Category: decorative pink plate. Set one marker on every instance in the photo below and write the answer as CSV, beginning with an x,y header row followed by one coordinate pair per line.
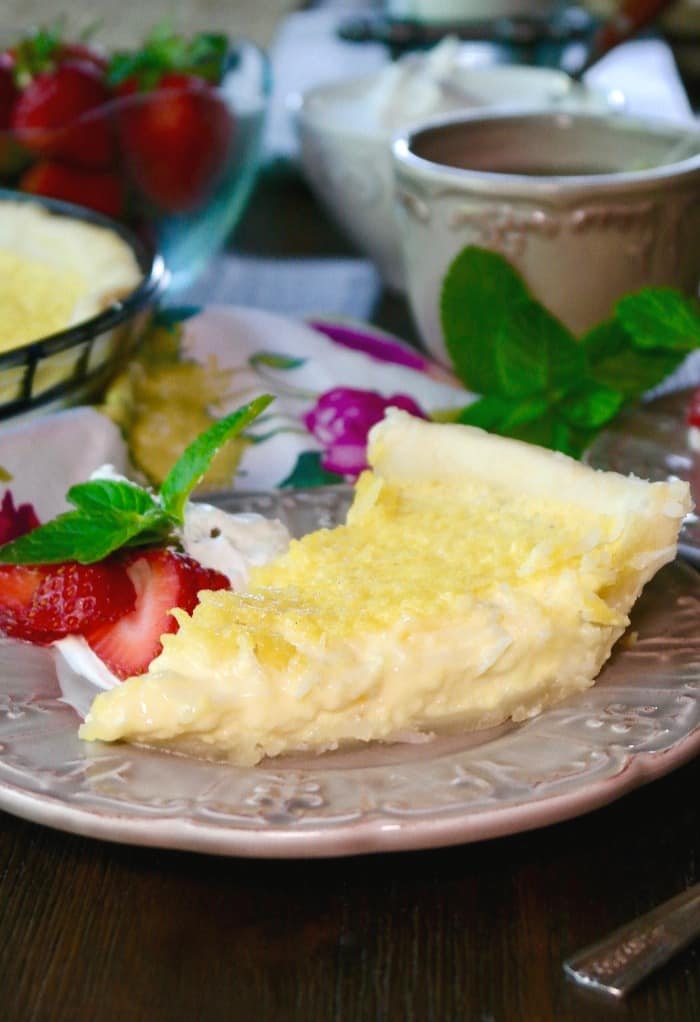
x,y
651,441
639,722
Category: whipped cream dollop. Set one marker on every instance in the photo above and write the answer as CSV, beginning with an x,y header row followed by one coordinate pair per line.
x,y
231,543
419,86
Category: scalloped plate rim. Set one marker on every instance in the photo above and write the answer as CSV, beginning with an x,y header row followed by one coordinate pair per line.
x,y
358,838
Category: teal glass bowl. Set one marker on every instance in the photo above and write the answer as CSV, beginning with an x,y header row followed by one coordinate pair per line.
x,y
184,197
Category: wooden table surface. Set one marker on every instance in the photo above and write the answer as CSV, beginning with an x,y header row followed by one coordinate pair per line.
x,y
100,932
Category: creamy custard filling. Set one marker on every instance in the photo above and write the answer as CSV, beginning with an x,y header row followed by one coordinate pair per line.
x,y
36,299
450,598
56,271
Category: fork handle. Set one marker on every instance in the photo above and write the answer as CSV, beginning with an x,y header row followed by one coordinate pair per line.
x,y
616,964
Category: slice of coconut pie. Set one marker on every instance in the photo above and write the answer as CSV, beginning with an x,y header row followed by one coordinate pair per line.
x,y
477,578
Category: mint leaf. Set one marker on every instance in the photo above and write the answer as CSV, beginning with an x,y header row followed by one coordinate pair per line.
x,y
615,362
538,355
500,415
99,495
486,413
591,406
660,318
551,430
74,536
192,465
500,339
478,294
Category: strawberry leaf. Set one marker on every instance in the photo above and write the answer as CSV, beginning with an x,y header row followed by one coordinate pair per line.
x,y
163,52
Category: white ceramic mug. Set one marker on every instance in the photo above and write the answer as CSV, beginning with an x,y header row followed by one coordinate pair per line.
x,y
587,207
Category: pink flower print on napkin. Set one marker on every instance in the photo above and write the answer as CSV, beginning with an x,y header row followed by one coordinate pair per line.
x,y
15,521
341,419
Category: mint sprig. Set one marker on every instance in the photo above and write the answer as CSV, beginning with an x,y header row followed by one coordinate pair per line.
x,y
111,514
190,469
537,381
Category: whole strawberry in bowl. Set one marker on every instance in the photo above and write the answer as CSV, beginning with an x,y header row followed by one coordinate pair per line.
x,y
165,137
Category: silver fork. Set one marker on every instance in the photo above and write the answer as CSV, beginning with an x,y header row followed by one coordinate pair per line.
x,y
615,965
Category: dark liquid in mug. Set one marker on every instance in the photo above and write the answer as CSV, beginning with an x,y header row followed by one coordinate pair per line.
x,y
580,170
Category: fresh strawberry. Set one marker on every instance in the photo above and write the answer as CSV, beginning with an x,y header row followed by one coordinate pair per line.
x,y
42,603
100,190
175,140
163,580
73,597
9,93
58,115
83,52
15,521
18,584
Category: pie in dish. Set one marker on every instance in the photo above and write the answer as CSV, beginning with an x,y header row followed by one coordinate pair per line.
x,y
476,579
56,271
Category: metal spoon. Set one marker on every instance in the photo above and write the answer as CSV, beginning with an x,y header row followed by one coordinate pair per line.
x,y
616,964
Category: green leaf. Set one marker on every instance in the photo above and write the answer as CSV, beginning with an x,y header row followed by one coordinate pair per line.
x,y
500,415
500,339
541,431
615,362
486,413
538,355
478,293
164,51
660,318
550,430
5,476
192,465
591,406
276,361
75,536
100,495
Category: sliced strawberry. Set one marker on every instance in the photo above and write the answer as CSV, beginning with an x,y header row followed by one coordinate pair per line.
x,y
163,580
97,189
74,597
18,584
42,603
58,115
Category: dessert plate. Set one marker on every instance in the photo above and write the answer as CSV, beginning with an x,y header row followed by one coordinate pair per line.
x,y
651,440
639,722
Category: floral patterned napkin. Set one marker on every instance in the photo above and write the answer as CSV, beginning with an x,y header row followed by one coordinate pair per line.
x,y
332,381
